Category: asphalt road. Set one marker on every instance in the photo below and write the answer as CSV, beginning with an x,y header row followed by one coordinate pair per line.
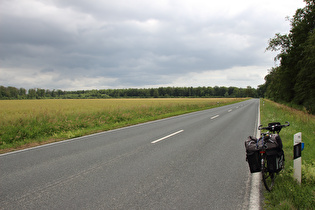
x,y
192,161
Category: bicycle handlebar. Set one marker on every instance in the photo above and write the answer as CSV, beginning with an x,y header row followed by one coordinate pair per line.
x,y
276,126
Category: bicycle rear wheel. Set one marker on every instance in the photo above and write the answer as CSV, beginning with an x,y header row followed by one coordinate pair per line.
x,y
268,177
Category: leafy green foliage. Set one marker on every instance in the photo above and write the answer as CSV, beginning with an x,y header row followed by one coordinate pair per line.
x,y
294,79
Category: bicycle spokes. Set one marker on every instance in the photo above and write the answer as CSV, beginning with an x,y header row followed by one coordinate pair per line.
x,y
268,179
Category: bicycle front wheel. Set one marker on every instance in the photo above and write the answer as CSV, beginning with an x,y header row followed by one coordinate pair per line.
x,y
268,177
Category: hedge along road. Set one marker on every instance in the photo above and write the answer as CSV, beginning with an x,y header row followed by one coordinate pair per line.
x,y
192,161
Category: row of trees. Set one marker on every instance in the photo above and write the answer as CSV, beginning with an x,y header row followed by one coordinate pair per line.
x,y
161,92
293,81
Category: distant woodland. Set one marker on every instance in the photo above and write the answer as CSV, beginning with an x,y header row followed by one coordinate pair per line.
x,y
161,92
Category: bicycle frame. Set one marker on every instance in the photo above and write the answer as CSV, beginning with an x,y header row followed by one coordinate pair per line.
x,y
268,177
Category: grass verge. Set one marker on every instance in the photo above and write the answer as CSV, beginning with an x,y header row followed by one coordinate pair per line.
x,y
27,123
287,193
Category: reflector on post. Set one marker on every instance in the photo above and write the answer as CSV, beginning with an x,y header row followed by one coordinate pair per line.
x,y
297,162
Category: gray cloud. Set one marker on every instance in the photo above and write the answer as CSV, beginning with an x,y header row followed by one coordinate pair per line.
x,y
102,44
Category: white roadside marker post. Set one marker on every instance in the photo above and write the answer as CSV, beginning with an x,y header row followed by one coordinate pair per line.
x,y
297,162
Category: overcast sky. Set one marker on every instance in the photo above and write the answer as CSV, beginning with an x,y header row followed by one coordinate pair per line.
x,y
100,44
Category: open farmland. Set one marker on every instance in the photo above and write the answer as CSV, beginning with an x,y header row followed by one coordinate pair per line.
x,y
25,123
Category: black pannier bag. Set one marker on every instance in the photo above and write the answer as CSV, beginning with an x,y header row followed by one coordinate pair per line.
x,y
275,160
252,154
275,154
273,141
276,138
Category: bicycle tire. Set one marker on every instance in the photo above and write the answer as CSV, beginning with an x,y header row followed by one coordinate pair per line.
x,y
267,177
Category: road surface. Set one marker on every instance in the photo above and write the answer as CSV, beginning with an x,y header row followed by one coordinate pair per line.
x,y
192,161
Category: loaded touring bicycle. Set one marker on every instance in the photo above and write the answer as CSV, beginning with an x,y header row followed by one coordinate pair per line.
x,y
265,154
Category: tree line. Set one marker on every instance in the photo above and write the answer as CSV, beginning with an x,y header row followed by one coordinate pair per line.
x,y
293,81
161,92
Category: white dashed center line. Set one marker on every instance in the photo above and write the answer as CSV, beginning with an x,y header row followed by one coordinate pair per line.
x,y
214,117
165,137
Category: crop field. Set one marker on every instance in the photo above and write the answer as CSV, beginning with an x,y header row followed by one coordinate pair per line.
x,y
25,123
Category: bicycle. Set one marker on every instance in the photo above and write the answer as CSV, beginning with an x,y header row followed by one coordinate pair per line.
x,y
271,153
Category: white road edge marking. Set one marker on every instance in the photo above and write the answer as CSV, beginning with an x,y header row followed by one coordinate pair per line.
x,y
214,117
254,200
165,137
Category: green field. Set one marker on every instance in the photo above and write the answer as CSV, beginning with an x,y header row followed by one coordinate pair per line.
x,y
287,194
25,123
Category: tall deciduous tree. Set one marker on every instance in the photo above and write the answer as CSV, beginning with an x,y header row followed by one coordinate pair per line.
x,y
293,80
